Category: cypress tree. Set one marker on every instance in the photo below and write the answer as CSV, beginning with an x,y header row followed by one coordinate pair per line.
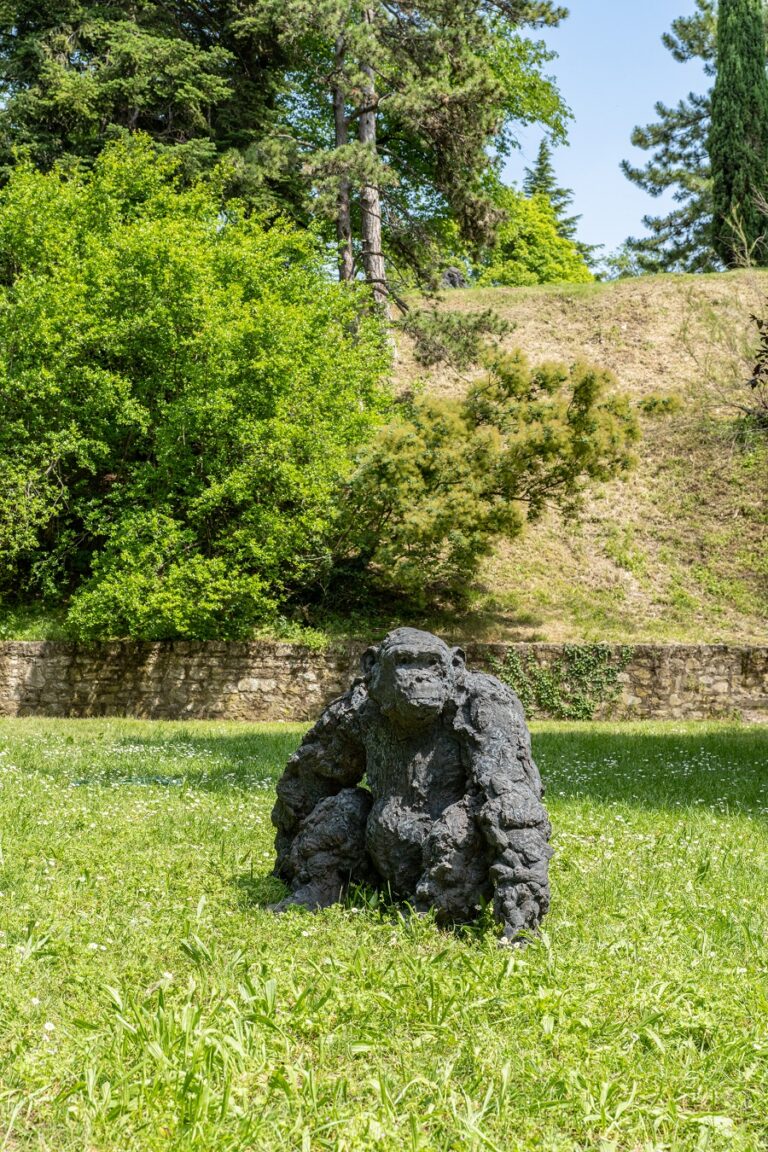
x,y
738,137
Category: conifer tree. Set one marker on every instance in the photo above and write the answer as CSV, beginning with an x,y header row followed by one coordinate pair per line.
x,y
399,106
76,73
679,241
738,137
540,180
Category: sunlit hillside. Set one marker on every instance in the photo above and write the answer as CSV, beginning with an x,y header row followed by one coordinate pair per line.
x,y
678,551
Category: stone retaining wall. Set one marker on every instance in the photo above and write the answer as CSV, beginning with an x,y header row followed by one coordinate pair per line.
x,y
270,681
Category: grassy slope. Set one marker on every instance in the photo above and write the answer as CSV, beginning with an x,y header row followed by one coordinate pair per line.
x,y
150,1002
680,550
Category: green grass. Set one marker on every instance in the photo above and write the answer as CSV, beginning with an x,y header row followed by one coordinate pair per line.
x,y
32,622
149,1000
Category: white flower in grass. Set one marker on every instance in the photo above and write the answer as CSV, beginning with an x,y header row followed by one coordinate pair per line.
x,y
49,1026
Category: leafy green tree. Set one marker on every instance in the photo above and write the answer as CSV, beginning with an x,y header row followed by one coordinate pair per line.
x,y
738,136
529,247
438,487
182,395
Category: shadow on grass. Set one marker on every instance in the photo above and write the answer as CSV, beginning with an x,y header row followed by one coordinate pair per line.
x,y
208,761
660,767
258,891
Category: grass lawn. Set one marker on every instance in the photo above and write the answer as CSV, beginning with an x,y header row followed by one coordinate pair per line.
x,y
149,1000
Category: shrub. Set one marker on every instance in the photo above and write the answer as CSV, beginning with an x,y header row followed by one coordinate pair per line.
x,y
657,405
182,392
440,485
529,249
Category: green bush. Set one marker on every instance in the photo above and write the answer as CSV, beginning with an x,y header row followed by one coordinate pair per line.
x,y
436,488
182,393
529,248
657,405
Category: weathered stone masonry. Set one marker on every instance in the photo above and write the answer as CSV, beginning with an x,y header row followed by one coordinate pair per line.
x,y
270,681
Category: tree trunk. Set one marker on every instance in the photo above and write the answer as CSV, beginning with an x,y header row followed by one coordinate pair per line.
x,y
343,216
370,199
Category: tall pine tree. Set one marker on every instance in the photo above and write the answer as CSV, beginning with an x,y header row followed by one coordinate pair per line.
x,y
396,112
540,180
681,240
738,137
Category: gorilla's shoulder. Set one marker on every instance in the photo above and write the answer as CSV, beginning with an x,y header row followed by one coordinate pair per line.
x,y
489,703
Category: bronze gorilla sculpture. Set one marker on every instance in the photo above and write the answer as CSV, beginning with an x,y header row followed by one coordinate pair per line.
x,y
451,816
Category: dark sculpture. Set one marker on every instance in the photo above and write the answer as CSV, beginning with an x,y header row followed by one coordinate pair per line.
x,y
451,816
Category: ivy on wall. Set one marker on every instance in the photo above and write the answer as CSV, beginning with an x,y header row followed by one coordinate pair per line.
x,y
571,687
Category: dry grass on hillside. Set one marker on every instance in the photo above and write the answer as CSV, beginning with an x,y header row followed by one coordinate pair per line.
x,y
679,551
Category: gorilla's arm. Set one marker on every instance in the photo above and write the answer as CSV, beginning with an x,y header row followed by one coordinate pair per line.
x,y
330,757
509,811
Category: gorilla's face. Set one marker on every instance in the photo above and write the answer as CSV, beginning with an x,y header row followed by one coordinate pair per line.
x,y
413,678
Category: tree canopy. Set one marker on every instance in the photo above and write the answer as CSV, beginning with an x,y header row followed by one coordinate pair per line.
x,y
363,117
74,74
183,392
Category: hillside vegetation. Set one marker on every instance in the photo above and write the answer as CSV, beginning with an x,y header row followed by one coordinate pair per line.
x,y
679,550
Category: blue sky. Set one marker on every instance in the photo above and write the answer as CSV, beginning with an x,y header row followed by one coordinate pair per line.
x,y
611,69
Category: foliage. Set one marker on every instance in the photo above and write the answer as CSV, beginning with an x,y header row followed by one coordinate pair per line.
x,y
658,405
437,487
74,75
397,112
529,247
738,135
541,181
680,241
570,687
155,1002
452,338
262,83
182,392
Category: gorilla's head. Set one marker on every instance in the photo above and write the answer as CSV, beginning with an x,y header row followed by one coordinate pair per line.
x,y
411,675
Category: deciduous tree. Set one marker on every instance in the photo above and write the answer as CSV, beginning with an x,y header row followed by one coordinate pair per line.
x,y
183,392
529,247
